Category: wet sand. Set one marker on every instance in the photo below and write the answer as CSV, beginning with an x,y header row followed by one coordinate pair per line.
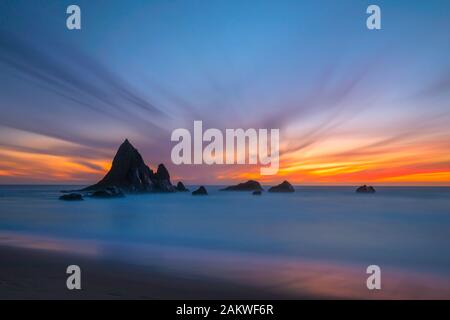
x,y
34,267
36,274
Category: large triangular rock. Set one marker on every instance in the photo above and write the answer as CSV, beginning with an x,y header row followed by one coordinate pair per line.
x,y
129,173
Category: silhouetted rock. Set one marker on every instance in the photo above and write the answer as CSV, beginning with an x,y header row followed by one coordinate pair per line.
x,y
365,189
107,193
100,194
250,185
162,173
256,193
180,187
129,173
68,191
200,192
282,187
161,180
71,197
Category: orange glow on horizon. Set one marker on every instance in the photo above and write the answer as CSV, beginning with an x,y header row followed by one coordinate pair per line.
x,y
47,167
412,163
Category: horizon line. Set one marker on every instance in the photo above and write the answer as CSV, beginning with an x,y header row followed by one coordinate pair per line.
x,y
221,185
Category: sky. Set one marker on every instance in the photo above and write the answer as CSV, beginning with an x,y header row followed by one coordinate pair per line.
x,y
353,105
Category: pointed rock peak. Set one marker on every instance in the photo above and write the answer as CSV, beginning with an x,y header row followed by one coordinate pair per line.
x,y
200,191
162,172
128,171
126,145
127,153
181,187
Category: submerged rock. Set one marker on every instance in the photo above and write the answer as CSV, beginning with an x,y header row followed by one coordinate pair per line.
x,y
256,193
200,191
129,173
285,186
365,189
250,185
71,197
107,193
180,187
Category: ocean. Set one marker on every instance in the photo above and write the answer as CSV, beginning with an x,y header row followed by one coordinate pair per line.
x,y
403,229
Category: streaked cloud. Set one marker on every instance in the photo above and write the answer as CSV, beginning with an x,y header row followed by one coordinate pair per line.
x,y
353,107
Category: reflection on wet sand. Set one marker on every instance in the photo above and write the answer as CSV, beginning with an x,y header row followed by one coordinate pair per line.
x,y
298,278
24,241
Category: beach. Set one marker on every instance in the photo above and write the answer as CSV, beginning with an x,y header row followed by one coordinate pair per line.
x,y
35,268
31,274
314,243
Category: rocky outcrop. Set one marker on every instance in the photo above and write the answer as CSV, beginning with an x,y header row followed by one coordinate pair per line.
x,y
256,193
285,186
250,185
107,193
180,187
161,180
365,189
71,197
200,191
130,174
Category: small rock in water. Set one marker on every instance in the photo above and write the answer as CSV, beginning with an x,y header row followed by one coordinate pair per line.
x,y
180,187
257,193
250,185
365,189
285,186
71,197
200,192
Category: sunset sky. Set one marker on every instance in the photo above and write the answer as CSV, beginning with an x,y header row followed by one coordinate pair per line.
x,y
353,106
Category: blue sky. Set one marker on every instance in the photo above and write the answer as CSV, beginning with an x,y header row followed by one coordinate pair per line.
x,y
140,69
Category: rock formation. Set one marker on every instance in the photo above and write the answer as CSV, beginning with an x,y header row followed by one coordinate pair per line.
x,y
180,187
107,193
250,185
256,193
161,180
200,191
130,174
285,186
71,197
365,189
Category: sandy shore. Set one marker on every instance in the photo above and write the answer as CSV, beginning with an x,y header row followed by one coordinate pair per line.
x,y
34,267
36,274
